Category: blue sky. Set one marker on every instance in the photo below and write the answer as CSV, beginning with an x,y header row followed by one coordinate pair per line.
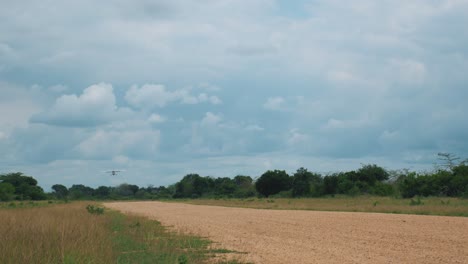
x,y
220,87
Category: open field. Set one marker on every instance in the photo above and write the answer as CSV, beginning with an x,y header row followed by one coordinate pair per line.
x,y
299,236
375,204
45,232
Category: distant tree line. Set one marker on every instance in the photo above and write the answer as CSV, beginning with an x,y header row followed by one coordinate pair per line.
x,y
451,181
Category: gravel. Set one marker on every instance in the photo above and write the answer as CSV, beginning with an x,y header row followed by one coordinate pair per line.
x,y
288,236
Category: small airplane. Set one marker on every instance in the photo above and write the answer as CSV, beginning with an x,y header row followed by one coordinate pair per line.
x,y
114,172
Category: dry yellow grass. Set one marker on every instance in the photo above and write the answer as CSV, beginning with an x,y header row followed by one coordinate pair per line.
x,y
64,233
427,206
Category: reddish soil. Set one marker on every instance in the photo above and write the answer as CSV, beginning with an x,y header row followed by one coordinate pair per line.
x,y
285,236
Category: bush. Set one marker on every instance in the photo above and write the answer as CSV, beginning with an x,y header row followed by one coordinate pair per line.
x,y
273,182
94,209
416,202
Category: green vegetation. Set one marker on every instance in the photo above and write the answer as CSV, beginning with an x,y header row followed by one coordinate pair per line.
x,y
273,182
67,233
449,180
20,187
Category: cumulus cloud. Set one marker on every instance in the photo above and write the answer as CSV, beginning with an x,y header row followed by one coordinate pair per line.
x,y
150,95
296,137
409,71
211,119
251,50
108,144
388,77
96,105
254,128
274,103
155,118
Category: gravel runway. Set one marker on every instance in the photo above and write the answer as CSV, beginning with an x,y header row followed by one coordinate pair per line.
x,y
286,236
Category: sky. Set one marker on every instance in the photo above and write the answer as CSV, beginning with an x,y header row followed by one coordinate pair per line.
x,y
164,88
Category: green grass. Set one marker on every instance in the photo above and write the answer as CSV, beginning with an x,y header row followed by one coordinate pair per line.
x,y
375,204
68,233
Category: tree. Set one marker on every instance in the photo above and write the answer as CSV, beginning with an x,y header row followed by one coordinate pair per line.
x,y
25,186
372,173
102,192
245,187
330,184
301,183
448,160
80,191
126,189
60,191
193,186
7,191
224,186
243,181
273,182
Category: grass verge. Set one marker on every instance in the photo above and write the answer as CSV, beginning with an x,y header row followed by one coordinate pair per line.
x,y
69,233
421,206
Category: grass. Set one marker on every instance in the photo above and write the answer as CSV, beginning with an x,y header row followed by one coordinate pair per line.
x,y
67,233
422,206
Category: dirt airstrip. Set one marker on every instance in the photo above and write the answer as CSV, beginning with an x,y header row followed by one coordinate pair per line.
x,y
284,236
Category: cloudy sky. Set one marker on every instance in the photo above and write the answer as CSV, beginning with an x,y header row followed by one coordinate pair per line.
x,y
163,88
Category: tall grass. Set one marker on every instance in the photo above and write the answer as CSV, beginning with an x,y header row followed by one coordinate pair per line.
x,y
72,233
63,233
425,206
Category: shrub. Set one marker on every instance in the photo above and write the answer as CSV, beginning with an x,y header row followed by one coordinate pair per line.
x,y
416,202
94,209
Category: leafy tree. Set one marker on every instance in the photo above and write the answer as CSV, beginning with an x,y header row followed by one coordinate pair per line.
x,y
193,186
7,191
80,191
102,192
273,182
330,184
245,187
126,189
25,186
224,186
372,173
301,182
243,181
408,185
160,192
59,191
459,182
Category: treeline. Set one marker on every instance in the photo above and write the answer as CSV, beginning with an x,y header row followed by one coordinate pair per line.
x,y
451,181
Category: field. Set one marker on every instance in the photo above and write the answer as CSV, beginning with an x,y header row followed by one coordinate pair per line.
x,y
420,206
46,232
297,231
302,236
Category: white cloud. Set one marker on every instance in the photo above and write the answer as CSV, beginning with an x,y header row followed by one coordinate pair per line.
x,y
337,124
102,144
274,103
211,119
121,159
150,95
96,105
58,88
215,100
206,98
342,76
295,137
254,128
209,87
409,71
155,118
